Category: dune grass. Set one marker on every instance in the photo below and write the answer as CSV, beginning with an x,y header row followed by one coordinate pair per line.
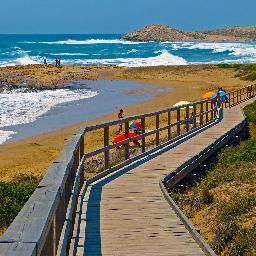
x,y
223,204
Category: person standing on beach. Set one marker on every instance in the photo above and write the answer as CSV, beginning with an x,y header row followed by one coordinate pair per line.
x,y
56,62
59,62
120,116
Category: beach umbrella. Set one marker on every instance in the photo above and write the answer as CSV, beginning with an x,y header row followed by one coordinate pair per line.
x,y
135,125
208,95
122,137
182,103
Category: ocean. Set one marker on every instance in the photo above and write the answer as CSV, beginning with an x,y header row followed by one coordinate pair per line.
x,y
24,112
111,50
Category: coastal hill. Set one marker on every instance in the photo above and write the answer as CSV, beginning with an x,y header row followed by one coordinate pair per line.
x,y
162,33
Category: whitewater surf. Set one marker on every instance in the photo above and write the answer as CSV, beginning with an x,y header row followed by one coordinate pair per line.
x,y
111,50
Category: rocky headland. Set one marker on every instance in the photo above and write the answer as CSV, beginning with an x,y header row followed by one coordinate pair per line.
x,y
162,33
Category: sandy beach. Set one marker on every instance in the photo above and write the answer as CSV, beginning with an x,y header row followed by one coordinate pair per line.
x,y
34,155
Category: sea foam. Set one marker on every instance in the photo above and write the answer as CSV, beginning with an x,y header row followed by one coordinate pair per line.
x,y
24,59
18,107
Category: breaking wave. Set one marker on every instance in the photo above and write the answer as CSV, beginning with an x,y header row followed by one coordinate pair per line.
x,y
164,59
23,58
68,54
89,41
235,49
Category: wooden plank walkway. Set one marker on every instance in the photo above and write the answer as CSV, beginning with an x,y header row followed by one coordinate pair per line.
x,y
126,213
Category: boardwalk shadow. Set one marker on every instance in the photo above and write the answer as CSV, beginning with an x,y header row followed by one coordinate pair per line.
x,y
92,245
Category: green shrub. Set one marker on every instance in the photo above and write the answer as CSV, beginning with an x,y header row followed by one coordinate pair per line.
x,y
250,112
246,152
13,196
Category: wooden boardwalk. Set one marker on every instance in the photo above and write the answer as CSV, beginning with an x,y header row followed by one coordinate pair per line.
x,y
126,213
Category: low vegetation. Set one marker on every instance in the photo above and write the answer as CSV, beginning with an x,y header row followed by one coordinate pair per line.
x,y
14,195
244,71
223,204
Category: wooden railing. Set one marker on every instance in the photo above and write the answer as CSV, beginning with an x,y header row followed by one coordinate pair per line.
x,y
44,226
237,96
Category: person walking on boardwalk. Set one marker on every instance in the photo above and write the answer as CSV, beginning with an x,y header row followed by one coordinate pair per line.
x,y
120,117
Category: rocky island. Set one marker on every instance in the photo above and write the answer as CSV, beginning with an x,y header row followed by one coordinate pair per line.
x,y
162,33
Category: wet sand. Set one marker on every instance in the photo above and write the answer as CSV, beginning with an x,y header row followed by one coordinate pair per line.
x,y
34,155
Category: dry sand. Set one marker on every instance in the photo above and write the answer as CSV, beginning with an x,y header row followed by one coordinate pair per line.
x,y
34,155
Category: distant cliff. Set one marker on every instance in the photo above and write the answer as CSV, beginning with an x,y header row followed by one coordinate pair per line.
x,y
161,33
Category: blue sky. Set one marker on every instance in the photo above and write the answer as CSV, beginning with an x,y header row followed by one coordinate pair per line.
x,y
120,16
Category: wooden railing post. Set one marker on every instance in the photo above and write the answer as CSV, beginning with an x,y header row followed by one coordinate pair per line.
x,y
81,153
201,113
143,129
212,109
106,144
207,114
194,110
82,147
178,121
169,123
127,152
187,118
157,127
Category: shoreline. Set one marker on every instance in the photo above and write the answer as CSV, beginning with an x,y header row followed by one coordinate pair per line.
x,y
86,104
34,155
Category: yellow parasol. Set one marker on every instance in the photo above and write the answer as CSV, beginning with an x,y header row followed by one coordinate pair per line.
x,y
208,95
